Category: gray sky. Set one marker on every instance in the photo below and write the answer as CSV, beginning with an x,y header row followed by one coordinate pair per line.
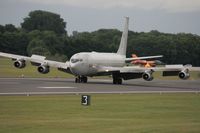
x,y
170,16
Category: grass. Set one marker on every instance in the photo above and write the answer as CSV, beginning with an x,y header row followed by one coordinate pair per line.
x,y
8,70
111,113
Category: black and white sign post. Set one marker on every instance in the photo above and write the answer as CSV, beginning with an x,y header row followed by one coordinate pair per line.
x,y
85,100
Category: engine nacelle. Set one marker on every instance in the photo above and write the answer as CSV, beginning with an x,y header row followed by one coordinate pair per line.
x,y
43,69
148,76
184,74
19,63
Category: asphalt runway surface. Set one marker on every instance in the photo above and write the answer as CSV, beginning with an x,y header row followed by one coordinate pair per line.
x,y
43,86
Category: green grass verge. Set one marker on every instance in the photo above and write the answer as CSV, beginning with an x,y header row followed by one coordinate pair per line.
x,y
111,113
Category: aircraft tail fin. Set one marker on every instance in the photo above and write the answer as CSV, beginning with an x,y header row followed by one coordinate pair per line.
x,y
123,42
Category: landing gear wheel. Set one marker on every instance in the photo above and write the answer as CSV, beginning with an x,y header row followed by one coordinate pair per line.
x,y
81,79
117,80
84,79
114,81
77,80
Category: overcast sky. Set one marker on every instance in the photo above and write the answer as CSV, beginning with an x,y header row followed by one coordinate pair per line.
x,y
170,16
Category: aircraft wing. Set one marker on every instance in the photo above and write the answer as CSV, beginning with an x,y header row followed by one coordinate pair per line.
x,y
36,60
138,69
133,72
143,58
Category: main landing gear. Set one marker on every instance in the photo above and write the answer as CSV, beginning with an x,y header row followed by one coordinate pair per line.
x,y
81,79
117,79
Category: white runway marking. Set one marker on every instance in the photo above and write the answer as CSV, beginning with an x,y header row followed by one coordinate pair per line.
x,y
114,92
56,87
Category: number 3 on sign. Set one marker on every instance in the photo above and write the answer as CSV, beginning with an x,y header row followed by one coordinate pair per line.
x,y
85,100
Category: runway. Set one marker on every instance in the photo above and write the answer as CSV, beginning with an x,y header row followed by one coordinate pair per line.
x,y
43,86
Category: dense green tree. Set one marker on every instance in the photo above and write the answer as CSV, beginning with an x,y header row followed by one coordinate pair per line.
x,y
10,28
43,20
2,29
13,42
48,40
53,42
37,46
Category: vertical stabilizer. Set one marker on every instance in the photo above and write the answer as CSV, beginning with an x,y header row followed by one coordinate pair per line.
x,y
123,43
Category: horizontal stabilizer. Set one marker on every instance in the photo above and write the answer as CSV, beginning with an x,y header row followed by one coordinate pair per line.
x,y
142,58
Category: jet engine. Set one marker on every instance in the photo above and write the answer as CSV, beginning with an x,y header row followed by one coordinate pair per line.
x,y
184,74
19,63
147,75
43,69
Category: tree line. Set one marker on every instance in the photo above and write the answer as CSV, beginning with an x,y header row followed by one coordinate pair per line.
x,y
44,33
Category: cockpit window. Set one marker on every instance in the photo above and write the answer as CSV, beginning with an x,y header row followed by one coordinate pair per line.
x,y
76,60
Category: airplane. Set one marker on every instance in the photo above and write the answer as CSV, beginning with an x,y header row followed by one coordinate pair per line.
x,y
89,64
145,63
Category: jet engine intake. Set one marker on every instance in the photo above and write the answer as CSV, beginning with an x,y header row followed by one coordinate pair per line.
x,y
147,75
184,74
43,69
19,63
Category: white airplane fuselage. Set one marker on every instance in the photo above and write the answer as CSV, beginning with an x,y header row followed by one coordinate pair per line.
x,y
85,63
